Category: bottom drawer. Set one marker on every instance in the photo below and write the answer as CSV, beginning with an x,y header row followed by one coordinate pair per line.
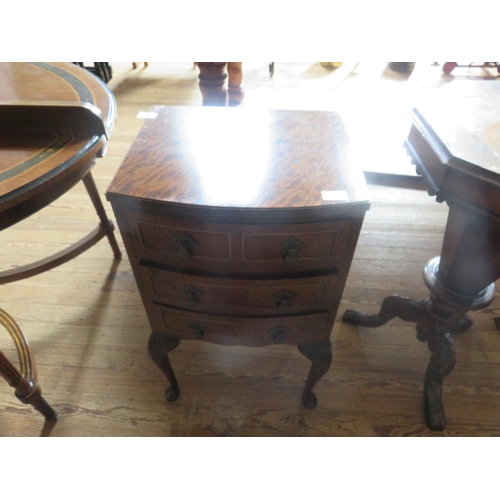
x,y
229,330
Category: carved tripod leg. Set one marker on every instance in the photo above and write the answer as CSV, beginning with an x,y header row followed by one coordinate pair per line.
x,y
320,354
441,364
159,346
392,307
435,324
403,308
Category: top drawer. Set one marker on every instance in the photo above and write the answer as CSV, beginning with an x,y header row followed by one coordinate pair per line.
x,y
239,248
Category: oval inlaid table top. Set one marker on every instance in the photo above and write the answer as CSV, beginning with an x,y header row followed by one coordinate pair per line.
x,y
53,118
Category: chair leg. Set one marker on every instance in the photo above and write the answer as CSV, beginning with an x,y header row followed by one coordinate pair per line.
x,y
24,382
36,400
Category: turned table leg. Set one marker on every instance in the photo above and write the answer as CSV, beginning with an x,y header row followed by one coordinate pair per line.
x,y
106,223
213,78
235,80
320,354
159,346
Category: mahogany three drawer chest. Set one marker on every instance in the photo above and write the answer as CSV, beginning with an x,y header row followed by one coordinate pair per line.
x,y
240,225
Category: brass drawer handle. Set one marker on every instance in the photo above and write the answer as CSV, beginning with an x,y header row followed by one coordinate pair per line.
x,y
290,249
283,299
278,334
185,243
198,329
192,294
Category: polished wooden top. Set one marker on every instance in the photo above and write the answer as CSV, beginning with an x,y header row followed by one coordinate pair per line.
x,y
42,82
52,115
455,144
30,150
465,117
242,158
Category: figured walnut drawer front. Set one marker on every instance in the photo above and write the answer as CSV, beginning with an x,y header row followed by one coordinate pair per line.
x,y
239,248
161,238
239,297
240,331
289,245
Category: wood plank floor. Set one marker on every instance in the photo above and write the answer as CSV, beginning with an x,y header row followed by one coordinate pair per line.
x,y
88,329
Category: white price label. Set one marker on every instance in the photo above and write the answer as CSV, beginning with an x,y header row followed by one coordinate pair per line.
x,y
335,195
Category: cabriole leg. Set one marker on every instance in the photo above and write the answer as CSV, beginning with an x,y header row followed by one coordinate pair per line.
x,y
159,346
320,354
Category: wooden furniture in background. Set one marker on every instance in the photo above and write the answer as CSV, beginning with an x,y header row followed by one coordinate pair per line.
x,y
213,79
54,120
83,319
240,226
54,123
102,70
454,142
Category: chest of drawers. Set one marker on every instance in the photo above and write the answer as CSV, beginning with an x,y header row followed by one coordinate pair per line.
x,y
240,226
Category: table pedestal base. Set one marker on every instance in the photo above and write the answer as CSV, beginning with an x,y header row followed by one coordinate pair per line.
x,y
436,318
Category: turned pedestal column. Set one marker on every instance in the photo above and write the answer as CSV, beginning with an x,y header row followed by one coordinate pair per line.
x,y
219,89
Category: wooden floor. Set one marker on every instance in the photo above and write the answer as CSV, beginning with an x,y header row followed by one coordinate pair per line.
x,y
88,329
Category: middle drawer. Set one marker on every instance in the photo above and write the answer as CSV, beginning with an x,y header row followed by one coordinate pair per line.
x,y
239,296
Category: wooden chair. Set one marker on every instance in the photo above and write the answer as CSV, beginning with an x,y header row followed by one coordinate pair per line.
x,y
24,381
102,70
